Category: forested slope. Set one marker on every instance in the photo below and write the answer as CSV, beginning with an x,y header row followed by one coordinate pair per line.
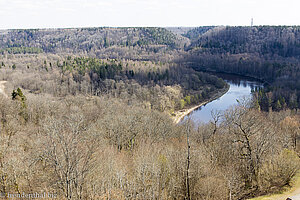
x,y
130,43
166,87
267,41
269,53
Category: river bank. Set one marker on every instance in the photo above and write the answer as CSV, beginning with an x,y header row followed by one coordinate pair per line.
x,y
180,114
2,89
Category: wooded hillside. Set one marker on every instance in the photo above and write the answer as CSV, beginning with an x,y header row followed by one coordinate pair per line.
x,y
130,43
271,54
86,113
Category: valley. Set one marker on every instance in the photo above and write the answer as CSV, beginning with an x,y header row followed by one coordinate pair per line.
x,y
96,113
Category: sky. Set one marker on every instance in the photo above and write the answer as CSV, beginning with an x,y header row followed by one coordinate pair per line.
x,y
19,14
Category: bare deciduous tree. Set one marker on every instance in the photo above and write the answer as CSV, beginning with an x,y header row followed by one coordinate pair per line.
x,y
68,151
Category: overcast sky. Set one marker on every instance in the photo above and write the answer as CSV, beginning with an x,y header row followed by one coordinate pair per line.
x,y
115,13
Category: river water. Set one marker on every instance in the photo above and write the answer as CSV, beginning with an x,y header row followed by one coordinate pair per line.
x,y
240,87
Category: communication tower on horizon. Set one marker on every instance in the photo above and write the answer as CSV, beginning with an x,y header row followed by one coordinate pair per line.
x,y
251,22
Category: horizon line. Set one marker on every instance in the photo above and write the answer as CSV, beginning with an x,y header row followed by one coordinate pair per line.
x,y
83,27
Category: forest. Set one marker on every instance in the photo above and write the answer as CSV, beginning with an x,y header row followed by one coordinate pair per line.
x,y
88,112
265,52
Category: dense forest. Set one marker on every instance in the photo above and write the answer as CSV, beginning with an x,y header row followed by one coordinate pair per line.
x,y
166,87
87,113
128,43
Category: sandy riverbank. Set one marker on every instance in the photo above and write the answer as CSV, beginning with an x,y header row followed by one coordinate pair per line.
x,y
2,88
180,114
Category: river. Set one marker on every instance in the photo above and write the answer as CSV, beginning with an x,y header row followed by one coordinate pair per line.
x,y
240,87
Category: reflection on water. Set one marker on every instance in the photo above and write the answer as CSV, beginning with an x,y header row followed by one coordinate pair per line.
x,y
240,87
